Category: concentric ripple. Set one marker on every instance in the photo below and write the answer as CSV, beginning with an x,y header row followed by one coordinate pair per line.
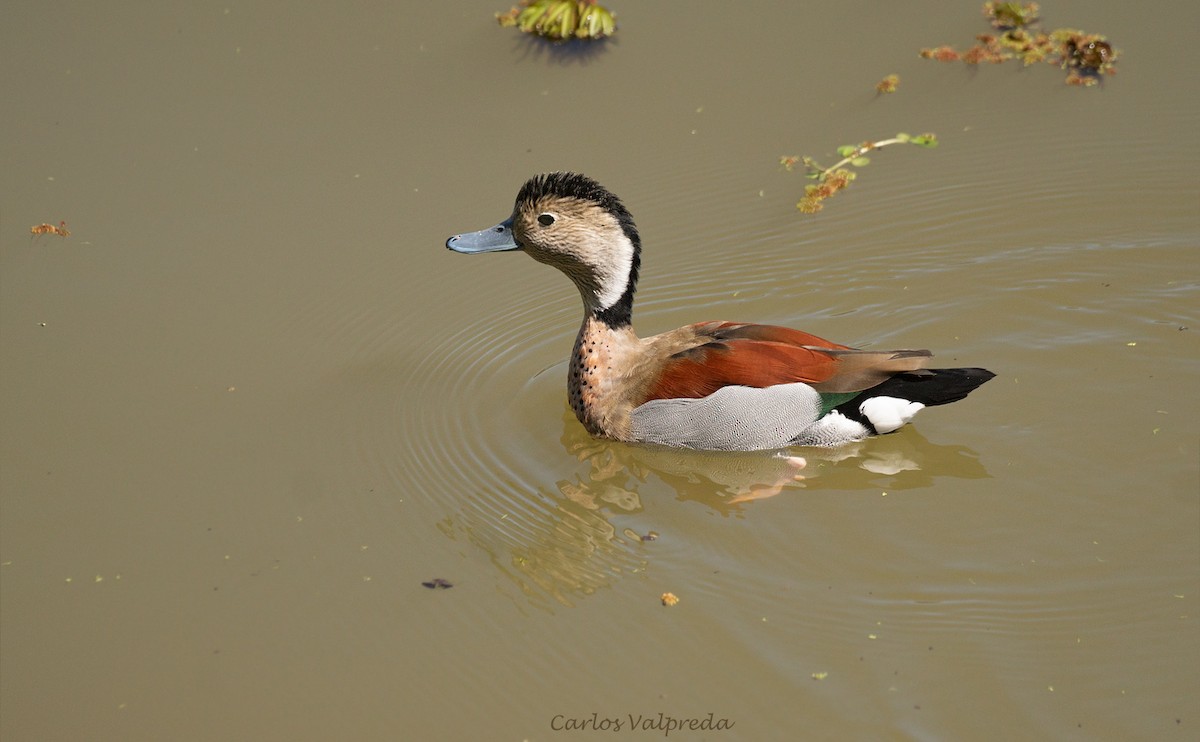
x,y
474,421
476,430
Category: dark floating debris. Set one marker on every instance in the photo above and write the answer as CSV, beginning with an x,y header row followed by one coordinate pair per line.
x,y
437,582
635,536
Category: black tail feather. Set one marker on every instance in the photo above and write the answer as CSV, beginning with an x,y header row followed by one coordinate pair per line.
x,y
930,387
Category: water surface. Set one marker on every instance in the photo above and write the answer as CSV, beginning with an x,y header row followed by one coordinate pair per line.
x,y
252,403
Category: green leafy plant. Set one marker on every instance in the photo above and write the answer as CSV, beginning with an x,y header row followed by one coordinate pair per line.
x,y
1086,57
561,20
838,176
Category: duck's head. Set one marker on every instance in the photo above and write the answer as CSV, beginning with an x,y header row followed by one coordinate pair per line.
x,y
573,223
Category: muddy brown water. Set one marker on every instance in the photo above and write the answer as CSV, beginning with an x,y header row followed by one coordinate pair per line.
x,y
252,403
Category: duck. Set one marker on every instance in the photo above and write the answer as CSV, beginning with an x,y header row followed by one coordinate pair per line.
x,y
714,385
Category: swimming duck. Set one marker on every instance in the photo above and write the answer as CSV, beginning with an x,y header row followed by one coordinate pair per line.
x,y
712,385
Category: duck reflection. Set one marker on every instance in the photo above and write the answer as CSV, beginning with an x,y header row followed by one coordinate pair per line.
x,y
571,539
725,481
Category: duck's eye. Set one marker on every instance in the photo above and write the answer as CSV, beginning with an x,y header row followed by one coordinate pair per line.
x,y
545,219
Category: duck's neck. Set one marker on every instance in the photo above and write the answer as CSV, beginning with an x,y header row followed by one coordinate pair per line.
x,y
608,284
606,346
594,385
620,314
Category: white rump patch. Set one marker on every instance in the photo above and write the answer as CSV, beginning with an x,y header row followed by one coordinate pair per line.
x,y
889,413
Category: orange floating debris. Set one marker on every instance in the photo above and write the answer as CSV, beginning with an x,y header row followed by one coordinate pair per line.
x,y
61,230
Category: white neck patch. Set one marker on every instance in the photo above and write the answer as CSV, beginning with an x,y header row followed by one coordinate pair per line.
x,y
613,263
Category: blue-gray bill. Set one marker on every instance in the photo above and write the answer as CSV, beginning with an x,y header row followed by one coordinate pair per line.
x,y
493,239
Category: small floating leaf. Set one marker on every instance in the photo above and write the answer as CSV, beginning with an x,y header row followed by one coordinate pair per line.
x,y
860,161
1010,15
888,84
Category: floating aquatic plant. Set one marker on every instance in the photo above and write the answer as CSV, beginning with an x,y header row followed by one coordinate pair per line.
x,y
888,84
561,20
838,176
1005,16
43,228
1086,57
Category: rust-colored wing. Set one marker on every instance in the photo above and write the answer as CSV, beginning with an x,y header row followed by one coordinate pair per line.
x,y
766,333
723,354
